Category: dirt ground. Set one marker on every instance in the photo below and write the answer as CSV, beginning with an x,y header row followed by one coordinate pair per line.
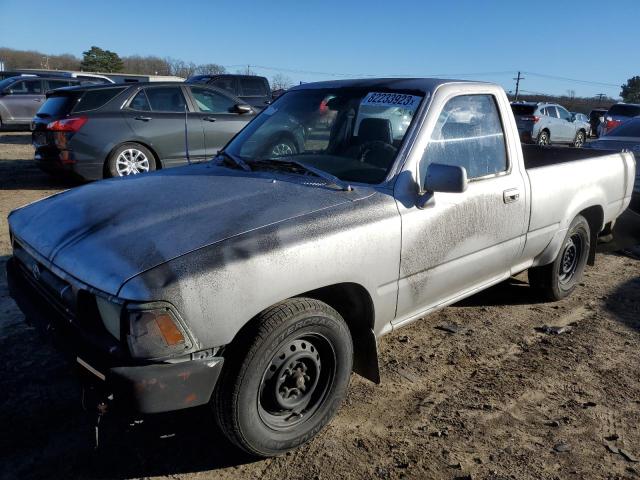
x,y
497,399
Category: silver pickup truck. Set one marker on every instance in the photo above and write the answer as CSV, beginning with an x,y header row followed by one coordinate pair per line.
x,y
257,282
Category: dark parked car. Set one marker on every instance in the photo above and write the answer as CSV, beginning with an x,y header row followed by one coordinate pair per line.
x,y
117,130
624,137
595,119
618,114
22,96
253,89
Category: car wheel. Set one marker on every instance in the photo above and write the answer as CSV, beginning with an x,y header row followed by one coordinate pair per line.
x,y
130,159
543,138
282,147
579,141
558,279
284,379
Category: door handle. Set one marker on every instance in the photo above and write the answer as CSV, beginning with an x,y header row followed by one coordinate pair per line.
x,y
209,119
37,100
511,195
144,119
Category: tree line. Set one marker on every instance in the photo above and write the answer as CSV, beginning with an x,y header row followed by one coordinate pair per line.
x,y
97,59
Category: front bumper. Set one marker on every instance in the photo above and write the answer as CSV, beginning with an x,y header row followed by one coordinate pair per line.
x,y
143,388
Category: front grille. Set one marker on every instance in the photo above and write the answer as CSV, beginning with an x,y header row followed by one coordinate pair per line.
x,y
57,291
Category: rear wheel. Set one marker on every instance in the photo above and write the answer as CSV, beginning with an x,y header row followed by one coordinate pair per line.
x,y
130,159
285,378
579,140
544,138
281,147
558,279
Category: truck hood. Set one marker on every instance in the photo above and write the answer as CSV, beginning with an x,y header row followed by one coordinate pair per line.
x,y
106,232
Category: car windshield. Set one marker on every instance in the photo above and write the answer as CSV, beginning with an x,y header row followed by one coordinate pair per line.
x,y
352,134
627,129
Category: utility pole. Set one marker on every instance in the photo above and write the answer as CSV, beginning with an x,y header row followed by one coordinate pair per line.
x,y
517,79
600,96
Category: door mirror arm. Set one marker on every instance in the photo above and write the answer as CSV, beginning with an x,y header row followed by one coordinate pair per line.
x,y
426,199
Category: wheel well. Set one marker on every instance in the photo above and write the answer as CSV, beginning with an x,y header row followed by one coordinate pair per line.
x,y
354,304
153,152
594,216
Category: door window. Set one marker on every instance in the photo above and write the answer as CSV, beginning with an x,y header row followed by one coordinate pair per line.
x,y
53,84
564,114
27,87
166,99
552,112
209,101
140,102
469,134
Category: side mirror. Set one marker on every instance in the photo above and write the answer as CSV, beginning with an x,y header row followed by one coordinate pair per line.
x,y
241,108
442,178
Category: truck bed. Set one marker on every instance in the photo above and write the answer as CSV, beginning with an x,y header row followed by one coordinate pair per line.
x,y
536,156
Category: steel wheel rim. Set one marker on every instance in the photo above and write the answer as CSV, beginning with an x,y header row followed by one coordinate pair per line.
x,y
131,162
571,254
282,149
290,394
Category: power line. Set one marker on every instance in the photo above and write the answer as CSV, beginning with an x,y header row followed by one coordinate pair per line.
x,y
575,80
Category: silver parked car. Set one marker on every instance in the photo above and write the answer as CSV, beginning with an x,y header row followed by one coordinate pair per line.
x,y
21,97
546,123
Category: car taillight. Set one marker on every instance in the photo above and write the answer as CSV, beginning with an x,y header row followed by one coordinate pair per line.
x,y
611,124
72,124
532,118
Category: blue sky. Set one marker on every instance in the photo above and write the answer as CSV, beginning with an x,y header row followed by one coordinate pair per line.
x,y
484,40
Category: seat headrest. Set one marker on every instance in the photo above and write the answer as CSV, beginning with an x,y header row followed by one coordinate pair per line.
x,y
375,129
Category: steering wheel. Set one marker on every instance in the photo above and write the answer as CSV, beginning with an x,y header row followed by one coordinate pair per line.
x,y
375,152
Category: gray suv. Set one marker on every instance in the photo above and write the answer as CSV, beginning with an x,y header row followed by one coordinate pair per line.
x,y
21,97
544,123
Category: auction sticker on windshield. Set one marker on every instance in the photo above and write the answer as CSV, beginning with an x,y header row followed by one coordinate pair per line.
x,y
391,100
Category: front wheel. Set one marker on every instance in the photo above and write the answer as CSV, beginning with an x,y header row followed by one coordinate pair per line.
x,y
579,140
558,279
285,378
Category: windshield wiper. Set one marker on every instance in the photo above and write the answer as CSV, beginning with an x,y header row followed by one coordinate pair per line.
x,y
237,160
332,179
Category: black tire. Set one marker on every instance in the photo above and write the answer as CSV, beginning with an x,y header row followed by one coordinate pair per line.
x,y
296,356
281,146
558,279
580,139
113,167
544,138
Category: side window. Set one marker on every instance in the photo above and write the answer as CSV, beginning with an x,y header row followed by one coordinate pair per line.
x,y
94,99
166,99
140,102
252,87
552,112
564,113
53,84
225,83
468,133
27,87
543,111
210,101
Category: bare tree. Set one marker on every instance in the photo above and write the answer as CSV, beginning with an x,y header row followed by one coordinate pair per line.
x,y
210,69
281,82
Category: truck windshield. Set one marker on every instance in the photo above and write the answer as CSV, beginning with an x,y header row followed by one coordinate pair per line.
x,y
352,134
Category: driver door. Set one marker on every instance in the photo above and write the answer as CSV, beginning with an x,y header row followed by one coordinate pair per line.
x,y
462,241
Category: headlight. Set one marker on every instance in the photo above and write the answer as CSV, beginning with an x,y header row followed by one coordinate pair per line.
x,y
155,332
110,314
